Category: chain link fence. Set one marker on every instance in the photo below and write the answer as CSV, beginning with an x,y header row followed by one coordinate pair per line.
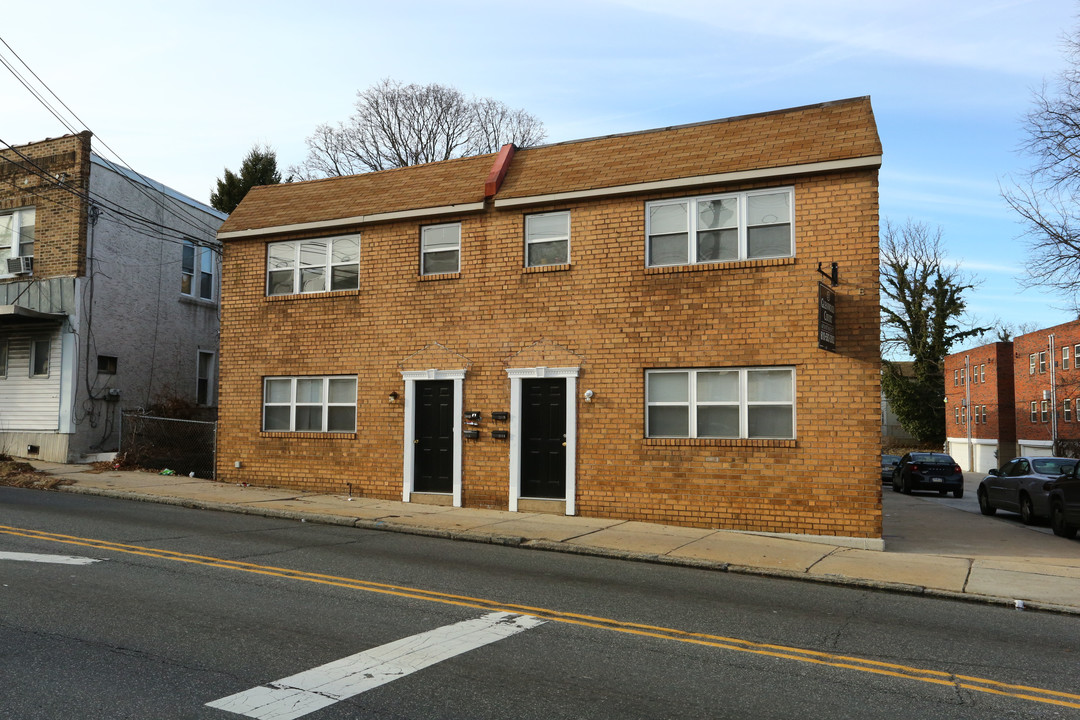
x,y
183,446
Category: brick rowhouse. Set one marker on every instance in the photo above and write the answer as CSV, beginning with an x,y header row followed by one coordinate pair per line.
x,y
550,344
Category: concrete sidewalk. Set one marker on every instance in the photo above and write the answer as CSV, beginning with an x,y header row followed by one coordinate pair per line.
x,y
932,547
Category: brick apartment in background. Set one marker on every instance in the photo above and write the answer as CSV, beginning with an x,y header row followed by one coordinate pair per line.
x,y
1047,388
109,289
980,421
622,327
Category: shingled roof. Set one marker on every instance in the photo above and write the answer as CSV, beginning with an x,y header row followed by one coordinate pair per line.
x,y
823,133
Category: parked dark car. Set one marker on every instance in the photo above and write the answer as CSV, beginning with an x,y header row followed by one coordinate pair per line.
x,y
1022,486
928,471
1065,504
888,464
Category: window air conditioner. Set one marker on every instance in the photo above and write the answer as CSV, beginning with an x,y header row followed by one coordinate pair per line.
x,y
20,265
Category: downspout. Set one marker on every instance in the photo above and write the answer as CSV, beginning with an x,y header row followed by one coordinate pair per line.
x,y
967,412
1053,396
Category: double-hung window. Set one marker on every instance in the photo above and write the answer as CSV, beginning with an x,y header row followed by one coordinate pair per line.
x,y
197,271
3,357
310,404
982,373
984,414
1065,357
720,403
547,239
204,378
1045,409
311,266
720,228
1042,362
440,249
956,414
1032,358
16,240
955,377
1066,410
1034,411
40,350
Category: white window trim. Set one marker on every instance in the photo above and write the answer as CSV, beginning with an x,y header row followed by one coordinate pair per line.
x,y
741,225
328,264
202,259
411,377
325,403
564,238
423,251
16,237
516,375
744,404
1034,411
1044,411
1066,409
1064,357
1042,362
1033,359
210,380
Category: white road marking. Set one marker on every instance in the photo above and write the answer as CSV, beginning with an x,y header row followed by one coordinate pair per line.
x,y
306,692
58,559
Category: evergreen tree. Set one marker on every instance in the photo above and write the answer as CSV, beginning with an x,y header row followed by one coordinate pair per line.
x,y
258,168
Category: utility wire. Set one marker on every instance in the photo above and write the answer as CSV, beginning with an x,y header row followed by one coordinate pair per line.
x,y
185,215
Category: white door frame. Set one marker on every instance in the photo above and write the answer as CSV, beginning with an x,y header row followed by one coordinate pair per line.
x,y
410,377
516,375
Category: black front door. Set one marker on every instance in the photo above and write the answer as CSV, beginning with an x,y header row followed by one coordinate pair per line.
x,y
433,432
543,439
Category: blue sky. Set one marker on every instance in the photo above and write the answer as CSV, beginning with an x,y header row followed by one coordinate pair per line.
x,y
182,90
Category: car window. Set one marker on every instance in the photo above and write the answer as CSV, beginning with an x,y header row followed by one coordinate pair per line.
x,y
1047,467
1021,468
1007,470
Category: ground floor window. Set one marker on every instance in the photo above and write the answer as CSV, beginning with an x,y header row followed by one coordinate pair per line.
x,y
1066,409
309,404
204,379
720,403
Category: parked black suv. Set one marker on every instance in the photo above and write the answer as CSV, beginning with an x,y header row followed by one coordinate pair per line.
x,y
1065,504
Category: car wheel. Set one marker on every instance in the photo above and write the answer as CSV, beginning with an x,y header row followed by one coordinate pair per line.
x,y
958,493
984,503
895,487
906,489
1058,524
1027,510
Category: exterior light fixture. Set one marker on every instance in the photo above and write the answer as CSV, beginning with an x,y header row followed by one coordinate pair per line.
x,y
393,397
589,395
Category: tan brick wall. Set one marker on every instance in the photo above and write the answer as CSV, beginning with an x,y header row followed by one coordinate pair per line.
x,y
612,317
30,178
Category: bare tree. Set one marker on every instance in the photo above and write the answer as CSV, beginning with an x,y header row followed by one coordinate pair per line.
x,y
397,125
1046,199
923,316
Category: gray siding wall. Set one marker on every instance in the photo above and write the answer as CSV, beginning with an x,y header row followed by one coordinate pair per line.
x,y
131,308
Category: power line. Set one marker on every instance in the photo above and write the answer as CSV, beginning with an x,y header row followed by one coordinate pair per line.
x,y
190,218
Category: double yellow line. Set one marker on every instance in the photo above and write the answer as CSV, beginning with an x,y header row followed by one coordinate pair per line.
x,y
934,677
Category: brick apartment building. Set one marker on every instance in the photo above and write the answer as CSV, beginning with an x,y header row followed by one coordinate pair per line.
x,y
626,327
979,408
1033,380
108,298
1047,388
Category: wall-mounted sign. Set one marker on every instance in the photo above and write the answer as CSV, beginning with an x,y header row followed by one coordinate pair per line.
x,y
826,318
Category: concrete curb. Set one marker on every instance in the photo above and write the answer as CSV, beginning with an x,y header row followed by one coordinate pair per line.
x,y
572,549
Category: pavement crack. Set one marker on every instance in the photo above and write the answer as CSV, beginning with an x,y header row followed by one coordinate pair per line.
x,y
823,558
967,575
593,532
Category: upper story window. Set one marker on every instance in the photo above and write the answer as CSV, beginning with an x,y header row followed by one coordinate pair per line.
x,y
1042,361
1065,358
197,271
982,373
1034,411
440,249
547,239
1032,359
720,403
17,241
316,265
719,228
1045,410
1066,410
963,371
955,377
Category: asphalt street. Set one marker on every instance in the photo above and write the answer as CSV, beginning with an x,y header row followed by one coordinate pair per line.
x,y
186,608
